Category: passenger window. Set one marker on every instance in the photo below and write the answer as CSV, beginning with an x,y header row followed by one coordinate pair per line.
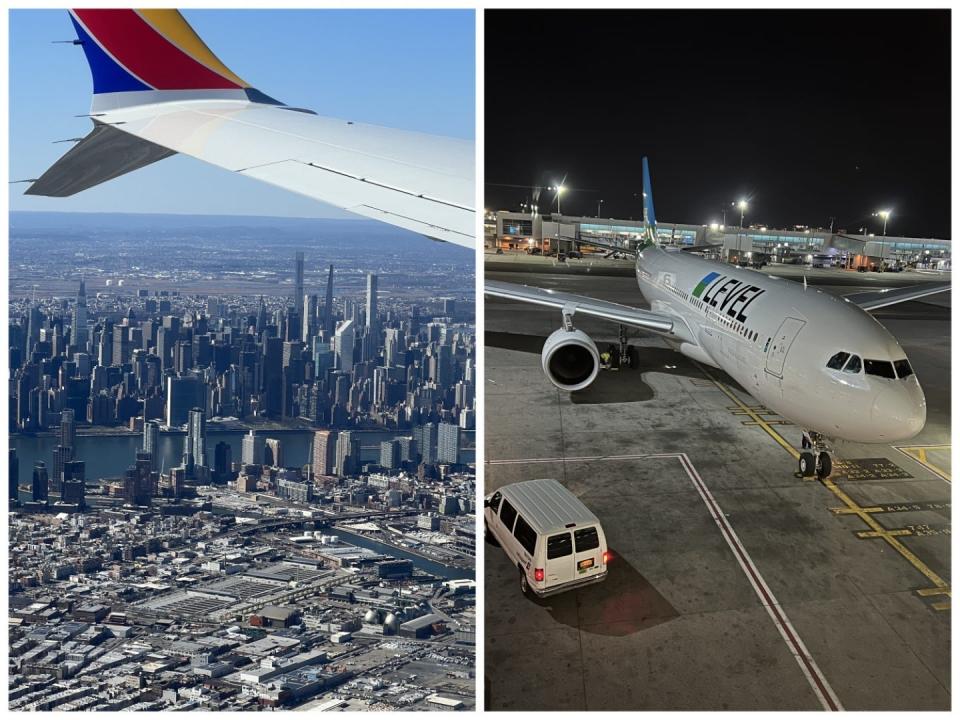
x,y
880,368
903,368
559,546
586,539
508,514
837,361
853,365
526,535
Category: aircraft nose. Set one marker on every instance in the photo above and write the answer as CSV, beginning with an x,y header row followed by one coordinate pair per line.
x,y
900,412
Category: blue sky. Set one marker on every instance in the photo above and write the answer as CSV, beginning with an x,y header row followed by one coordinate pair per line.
x,y
409,69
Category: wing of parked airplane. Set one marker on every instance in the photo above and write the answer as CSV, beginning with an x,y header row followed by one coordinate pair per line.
x,y
580,304
877,299
159,90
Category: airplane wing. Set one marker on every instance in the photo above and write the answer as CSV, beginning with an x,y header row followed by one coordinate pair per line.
x,y
891,296
622,314
159,90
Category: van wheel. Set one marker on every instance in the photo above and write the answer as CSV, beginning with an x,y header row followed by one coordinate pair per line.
x,y
524,586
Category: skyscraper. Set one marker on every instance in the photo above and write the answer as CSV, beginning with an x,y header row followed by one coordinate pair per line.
x,y
298,286
346,338
13,467
273,453
183,393
40,486
328,307
73,489
324,452
372,321
195,447
448,443
151,442
79,331
252,449
68,429
222,461
348,454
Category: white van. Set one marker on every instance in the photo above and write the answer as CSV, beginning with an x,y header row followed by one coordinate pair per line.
x,y
555,542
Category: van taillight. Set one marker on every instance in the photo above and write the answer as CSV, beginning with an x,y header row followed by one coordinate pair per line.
x,y
538,574
607,557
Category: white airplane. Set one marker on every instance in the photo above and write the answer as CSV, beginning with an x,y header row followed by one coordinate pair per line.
x,y
822,362
159,90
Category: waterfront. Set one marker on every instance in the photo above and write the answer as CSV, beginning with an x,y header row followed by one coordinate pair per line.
x,y
447,572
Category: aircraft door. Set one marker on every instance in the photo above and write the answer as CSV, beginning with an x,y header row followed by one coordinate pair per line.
x,y
780,345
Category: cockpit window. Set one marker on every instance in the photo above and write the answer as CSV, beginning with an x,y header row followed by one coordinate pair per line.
x,y
837,361
853,365
903,368
880,368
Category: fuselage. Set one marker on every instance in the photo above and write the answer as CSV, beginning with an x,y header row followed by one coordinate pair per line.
x,y
817,360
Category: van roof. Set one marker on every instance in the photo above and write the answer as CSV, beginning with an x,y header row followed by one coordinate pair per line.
x,y
547,505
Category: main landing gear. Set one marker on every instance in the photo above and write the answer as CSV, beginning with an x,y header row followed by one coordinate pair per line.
x,y
815,456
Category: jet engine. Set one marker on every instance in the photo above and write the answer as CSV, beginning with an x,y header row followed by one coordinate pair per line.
x,y
570,359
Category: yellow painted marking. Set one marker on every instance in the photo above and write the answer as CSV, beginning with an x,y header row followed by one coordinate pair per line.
x,y
919,453
884,533
855,509
945,605
850,511
753,415
927,592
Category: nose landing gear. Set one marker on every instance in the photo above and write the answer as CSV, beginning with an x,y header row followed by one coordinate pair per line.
x,y
815,457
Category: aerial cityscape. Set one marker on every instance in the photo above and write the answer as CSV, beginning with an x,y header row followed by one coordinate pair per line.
x,y
242,465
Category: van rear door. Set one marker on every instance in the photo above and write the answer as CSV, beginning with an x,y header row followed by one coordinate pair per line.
x,y
560,561
587,551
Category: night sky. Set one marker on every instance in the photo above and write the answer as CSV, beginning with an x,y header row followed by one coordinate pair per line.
x,y
809,114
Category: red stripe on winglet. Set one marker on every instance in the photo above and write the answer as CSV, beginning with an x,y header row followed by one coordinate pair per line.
x,y
147,54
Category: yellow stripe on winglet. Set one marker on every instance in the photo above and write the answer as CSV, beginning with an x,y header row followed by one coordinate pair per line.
x,y
171,24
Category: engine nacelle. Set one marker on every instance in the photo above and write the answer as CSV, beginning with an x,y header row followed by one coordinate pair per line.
x,y
570,359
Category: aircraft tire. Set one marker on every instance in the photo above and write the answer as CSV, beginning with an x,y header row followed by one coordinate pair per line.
x,y
807,464
824,466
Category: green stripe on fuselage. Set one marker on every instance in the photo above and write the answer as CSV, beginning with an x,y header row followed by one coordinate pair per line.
x,y
703,283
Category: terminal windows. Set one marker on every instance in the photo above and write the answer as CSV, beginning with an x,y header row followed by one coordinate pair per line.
x,y
903,368
587,539
837,361
559,546
526,535
881,368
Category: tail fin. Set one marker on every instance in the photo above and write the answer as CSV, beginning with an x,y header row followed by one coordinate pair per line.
x,y
148,56
649,219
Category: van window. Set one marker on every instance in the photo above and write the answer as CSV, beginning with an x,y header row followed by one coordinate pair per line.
x,y
587,539
526,535
508,514
559,546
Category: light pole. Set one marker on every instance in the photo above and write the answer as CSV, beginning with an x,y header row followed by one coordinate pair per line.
x,y
598,207
743,208
560,190
885,214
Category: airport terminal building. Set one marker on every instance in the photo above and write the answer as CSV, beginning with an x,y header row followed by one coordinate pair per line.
x,y
550,233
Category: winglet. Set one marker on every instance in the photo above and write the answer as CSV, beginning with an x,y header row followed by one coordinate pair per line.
x,y
649,219
147,56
